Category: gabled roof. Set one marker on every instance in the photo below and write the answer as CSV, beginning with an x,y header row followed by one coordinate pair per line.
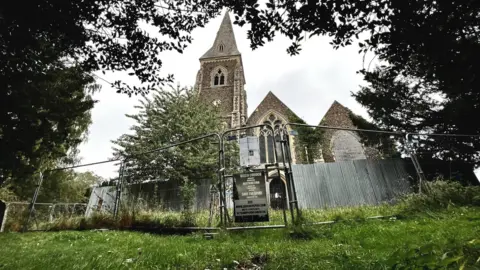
x,y
337,115
270,102
224,44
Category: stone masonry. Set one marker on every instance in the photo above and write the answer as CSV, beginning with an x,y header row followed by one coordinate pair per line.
x,y
221,82
224,59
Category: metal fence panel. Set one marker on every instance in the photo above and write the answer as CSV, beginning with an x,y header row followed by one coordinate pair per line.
x,y
364,181
101,199
349,183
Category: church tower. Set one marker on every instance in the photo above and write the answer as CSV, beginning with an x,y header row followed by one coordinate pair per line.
x,y
220,80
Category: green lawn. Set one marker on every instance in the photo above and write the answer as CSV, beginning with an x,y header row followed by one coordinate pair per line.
x,y
373,244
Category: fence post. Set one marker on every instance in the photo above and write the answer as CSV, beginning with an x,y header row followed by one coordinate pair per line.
x,y
289,157
50,214
32,203
288,173
221,156
119,189
4,218
416,163
223,186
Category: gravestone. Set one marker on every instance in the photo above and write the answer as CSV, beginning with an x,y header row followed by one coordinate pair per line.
x,y
3,209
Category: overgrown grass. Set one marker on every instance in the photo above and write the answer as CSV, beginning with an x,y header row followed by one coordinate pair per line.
x,y
419,243
438,195
437,230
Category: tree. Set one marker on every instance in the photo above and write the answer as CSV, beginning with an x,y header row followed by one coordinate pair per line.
x,y
430,52
430,81
431,42
97,35
109,34
42,121
67,186
170,116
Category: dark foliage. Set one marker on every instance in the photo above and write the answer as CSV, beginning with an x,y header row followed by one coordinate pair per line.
x,y
97,35
430,49
43,118
387,145
430,83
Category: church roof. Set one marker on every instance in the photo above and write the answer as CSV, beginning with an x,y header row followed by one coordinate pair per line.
x,y
337,116
270,102
224,44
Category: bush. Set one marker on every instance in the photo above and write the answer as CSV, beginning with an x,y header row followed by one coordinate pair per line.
x,y
188,198
7,195
434,256
442,194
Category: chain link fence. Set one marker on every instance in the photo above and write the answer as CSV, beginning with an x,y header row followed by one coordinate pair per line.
x,y
45,216
60,199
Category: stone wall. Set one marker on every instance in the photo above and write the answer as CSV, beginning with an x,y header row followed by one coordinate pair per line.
x,y
348,144
270,102
224,93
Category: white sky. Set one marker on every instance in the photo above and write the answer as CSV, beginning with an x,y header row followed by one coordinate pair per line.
x,y
308,83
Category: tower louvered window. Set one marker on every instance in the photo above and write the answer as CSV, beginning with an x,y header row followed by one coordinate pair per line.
x,y
219,78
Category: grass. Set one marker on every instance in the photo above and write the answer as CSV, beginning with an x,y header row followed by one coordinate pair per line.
x,y
174,219
375,244
436,230
439,195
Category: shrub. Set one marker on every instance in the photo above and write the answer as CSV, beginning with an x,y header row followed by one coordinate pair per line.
x,y
65,223
432,256
441,194
7,195
103,221
188,198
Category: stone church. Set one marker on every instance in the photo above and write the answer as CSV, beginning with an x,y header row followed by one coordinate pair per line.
x,y
221,82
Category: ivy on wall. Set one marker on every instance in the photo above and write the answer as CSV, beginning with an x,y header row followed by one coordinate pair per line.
x,y
307,142
312,143
384,144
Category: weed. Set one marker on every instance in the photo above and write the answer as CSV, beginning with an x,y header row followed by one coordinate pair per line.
x,y
187,191
441,194
380,244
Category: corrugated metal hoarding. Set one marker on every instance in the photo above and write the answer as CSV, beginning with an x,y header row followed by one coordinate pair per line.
x,y
350,183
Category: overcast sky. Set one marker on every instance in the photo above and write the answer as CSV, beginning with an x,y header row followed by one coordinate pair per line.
x,y
308,83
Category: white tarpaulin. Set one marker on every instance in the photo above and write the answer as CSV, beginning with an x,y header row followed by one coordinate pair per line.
x,y
101,199
249,151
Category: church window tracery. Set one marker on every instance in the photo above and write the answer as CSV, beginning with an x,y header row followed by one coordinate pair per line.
x,y
268,140
219,78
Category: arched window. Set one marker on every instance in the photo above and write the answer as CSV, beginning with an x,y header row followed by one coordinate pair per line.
x,y
269,140
219,78
220,48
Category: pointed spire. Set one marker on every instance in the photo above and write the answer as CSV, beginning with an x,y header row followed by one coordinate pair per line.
x,y
224,44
